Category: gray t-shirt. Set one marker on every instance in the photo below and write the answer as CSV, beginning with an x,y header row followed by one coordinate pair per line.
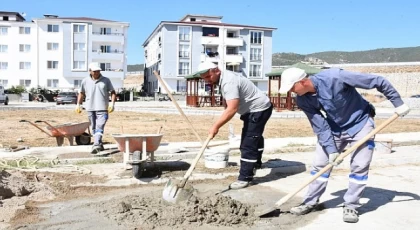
x,y
97,93
251,99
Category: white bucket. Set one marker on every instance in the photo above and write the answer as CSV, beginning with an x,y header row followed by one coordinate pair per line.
x,y
216,158
383,146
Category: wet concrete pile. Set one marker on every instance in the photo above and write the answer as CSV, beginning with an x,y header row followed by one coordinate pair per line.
x,y
150,213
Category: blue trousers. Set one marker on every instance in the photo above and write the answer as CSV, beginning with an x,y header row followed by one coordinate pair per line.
x,y
98,120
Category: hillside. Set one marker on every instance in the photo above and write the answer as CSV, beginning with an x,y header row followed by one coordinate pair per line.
x,y
407,54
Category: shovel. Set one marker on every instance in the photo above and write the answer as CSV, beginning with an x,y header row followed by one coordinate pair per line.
x,y
327,167
175,192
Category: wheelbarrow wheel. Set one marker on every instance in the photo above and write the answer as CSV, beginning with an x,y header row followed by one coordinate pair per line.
x,y
138,168
83,139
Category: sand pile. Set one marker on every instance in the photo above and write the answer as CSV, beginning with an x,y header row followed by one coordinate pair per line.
x,y
153,212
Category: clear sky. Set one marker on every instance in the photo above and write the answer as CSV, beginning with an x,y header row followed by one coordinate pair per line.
x,y
303,26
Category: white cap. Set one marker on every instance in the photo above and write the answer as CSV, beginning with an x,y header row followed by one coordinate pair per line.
x,y
289,77
204,67
94,66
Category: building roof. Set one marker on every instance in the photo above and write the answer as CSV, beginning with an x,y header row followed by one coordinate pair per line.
x,y
199,16
17,14
205,24
80,19
308,69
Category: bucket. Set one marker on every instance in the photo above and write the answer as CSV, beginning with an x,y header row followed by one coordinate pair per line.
x,y
383,146
216,158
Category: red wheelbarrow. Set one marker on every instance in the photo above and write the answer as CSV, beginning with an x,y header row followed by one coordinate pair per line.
x,y
140,147
70,131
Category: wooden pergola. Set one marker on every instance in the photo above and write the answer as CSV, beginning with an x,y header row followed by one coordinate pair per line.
x,y
286,101
200,93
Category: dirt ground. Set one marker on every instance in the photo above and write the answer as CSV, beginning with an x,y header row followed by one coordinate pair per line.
x,y
175,128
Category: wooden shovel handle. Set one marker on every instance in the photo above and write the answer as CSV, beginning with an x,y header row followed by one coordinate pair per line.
x,y
194,163
341,157
177,106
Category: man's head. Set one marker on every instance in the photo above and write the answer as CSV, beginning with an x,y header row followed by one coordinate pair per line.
x,y
294,80
209,72
95,69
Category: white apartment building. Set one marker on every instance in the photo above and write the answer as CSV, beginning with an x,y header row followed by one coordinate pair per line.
x,y
54,52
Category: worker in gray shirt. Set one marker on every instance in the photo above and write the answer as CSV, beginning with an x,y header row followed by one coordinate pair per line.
x,y
96,90
243,97
346,119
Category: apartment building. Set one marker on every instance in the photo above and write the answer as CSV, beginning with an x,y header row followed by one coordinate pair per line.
x,y
54,52
175,49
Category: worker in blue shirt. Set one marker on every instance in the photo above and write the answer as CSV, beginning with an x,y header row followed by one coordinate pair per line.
x,y
339,116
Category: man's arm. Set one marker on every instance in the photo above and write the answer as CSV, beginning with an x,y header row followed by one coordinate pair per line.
x,y
230,111
80,98
319,125
113,97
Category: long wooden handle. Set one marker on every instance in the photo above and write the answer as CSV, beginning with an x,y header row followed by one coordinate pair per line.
x,y
194,163
341,157
177,106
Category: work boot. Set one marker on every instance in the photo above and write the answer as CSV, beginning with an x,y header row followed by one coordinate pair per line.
x,y
239,184
302,209
350,215
96,149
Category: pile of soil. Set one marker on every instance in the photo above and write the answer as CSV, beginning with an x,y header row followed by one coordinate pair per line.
x,y
153,212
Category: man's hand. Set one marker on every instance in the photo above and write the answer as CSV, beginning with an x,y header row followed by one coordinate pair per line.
x,y
78,108
110,108
213,131
332,157
402,110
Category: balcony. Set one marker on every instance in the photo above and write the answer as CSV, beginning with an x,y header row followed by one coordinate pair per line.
x,y
233,58
205,57
210,40
113,73
112,54
234,41
109,37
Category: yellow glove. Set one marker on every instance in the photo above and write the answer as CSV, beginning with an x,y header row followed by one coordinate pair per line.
x,y
110,108
78,109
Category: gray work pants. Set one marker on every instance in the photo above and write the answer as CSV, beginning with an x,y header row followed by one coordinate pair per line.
x,y
98,120
359,164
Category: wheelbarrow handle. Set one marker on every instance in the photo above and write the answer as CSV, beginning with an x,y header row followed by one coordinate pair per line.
x,y
38,121
23,121
36,126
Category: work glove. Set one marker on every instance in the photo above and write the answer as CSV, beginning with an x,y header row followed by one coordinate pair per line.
x,y
78,108
110,108
332,157
402,110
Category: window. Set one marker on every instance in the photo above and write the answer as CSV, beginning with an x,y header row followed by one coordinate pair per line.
x,y
105,30
255,70
3,48
25,83
24,65
255,54
52,64
3,65
52,28
24,30
53,83
184,68
77,83
184,51
5,83
234,68
3,30
78,28
79,46
231,50
106,49
256,37
181,86
52,46
79,65
184,33
211,31
24,48
106,66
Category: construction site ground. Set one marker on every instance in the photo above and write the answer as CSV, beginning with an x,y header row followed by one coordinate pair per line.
x,y
50,187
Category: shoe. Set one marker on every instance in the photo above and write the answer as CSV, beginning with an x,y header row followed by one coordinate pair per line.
x,y
96,149
239,184
302,209
350,215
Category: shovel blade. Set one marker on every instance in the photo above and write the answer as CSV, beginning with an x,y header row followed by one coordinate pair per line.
x,y
174,194
266,211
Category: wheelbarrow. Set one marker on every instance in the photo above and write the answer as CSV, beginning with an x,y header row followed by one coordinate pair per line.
x,y
70,131
138,149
